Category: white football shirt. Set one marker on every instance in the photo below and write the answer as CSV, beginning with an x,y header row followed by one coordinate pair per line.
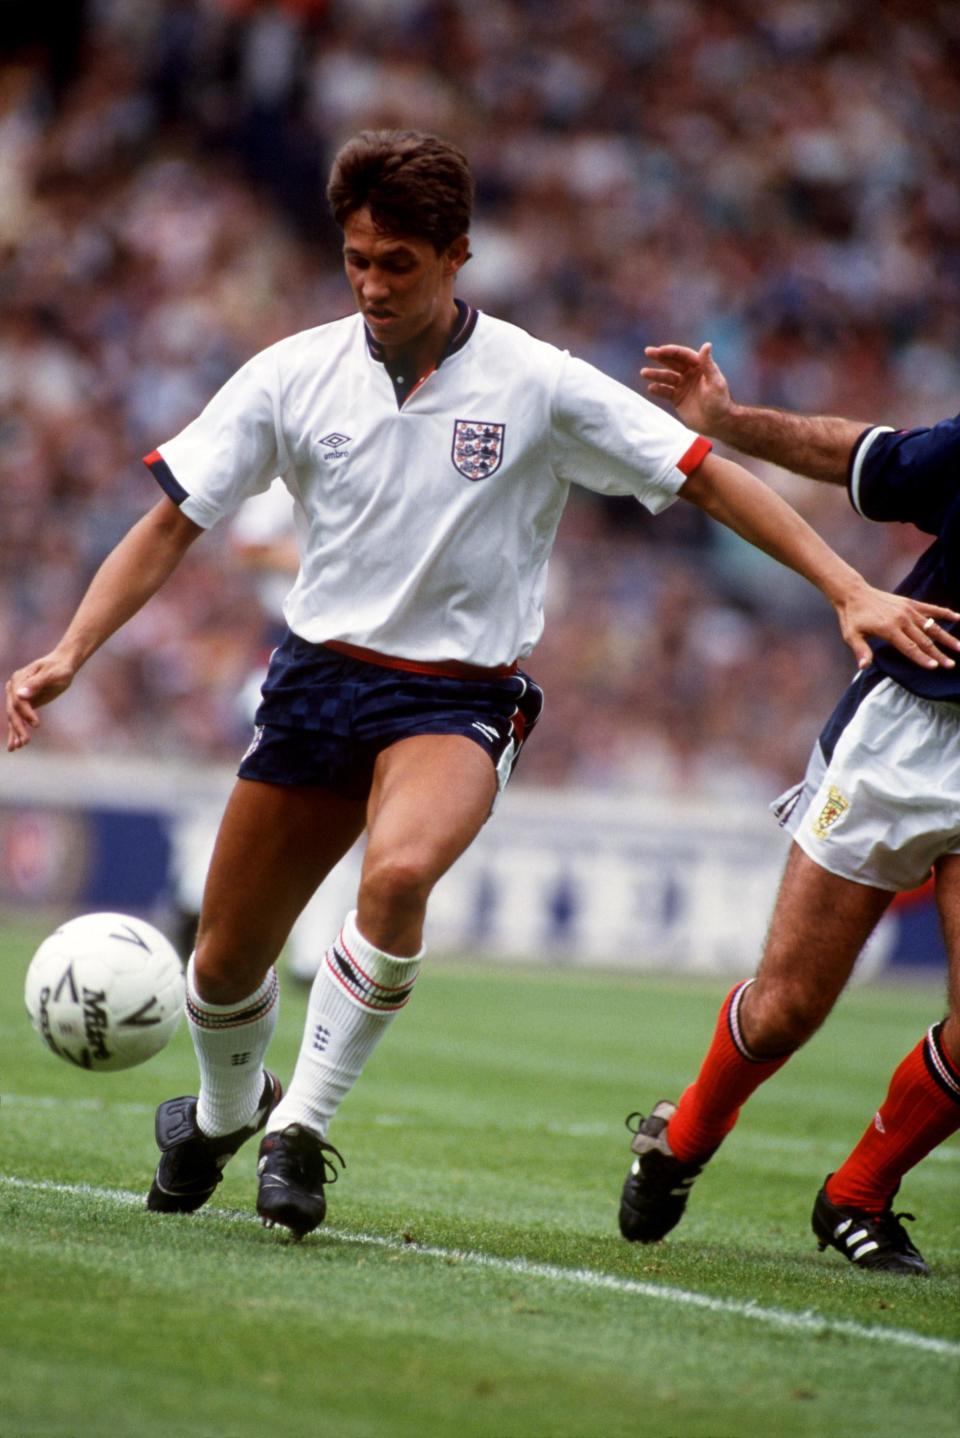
x,y
424,527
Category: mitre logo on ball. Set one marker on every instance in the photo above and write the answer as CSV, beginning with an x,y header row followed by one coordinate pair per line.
x,y
105,991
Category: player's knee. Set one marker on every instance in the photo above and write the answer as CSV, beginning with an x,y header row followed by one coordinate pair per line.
x,y
778,1018
399,881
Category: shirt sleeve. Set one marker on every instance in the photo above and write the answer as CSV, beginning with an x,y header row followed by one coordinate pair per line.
x,y
612,440
911,475
232,450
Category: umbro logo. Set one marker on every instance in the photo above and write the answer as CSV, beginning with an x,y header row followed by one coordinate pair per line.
x,y
334,442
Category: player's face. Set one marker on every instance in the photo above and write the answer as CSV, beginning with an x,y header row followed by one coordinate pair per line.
x,y
402,287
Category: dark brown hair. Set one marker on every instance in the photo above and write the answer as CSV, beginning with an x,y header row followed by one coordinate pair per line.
x,y
412,183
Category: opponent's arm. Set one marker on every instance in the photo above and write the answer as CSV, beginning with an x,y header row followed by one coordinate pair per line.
x,y
818,446
132,572
730,494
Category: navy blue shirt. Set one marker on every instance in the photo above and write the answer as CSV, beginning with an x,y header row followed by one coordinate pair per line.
x,y
913,475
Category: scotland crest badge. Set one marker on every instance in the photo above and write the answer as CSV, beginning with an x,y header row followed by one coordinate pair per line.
x,y
477,447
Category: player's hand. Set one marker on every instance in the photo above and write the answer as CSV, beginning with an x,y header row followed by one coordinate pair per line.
x,y
910,625
29,688
692,381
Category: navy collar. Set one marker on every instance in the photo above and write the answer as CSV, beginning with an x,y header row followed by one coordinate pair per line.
x,y
405,384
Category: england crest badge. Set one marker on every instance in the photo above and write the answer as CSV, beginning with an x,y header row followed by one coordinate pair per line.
x,y
477,447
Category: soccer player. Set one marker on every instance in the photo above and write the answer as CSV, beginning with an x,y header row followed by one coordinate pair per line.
x,y
876,811
429,451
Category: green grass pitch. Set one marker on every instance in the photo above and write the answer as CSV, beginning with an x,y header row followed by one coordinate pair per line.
x,y
470,1279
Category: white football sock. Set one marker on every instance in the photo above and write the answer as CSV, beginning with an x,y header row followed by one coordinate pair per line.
x,y
356,993
230,1041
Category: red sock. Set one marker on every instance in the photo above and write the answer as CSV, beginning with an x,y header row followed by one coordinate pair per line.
x,y
728,1076
921,1109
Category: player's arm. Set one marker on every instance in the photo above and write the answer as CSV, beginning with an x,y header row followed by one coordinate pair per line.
x,y
818,446
132,572
730,494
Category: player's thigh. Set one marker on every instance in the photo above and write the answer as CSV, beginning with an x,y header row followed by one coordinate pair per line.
x,y
431,795
947,876
275,844
820,923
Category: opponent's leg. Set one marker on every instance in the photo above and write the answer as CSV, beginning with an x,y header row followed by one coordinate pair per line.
x,y
274,846
430,796
820,924
921,1109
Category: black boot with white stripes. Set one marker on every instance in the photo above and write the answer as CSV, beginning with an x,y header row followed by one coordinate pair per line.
x,y
877,1241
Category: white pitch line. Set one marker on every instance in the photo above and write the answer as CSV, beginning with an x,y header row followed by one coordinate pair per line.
x,y
804,1321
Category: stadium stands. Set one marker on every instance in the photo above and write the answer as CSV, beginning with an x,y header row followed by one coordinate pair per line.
x,y
784,185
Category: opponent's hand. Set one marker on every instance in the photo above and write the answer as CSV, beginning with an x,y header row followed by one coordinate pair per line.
x,y
910,625
29,688
692,381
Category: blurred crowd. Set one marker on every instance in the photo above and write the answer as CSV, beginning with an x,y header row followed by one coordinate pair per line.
x,y
780,179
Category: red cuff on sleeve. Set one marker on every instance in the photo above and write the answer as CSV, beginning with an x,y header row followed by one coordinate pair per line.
x,y
695,455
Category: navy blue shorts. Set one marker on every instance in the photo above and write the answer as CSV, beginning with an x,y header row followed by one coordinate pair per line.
x,y
324,716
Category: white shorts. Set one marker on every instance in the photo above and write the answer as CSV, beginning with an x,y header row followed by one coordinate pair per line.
x,y
887,803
